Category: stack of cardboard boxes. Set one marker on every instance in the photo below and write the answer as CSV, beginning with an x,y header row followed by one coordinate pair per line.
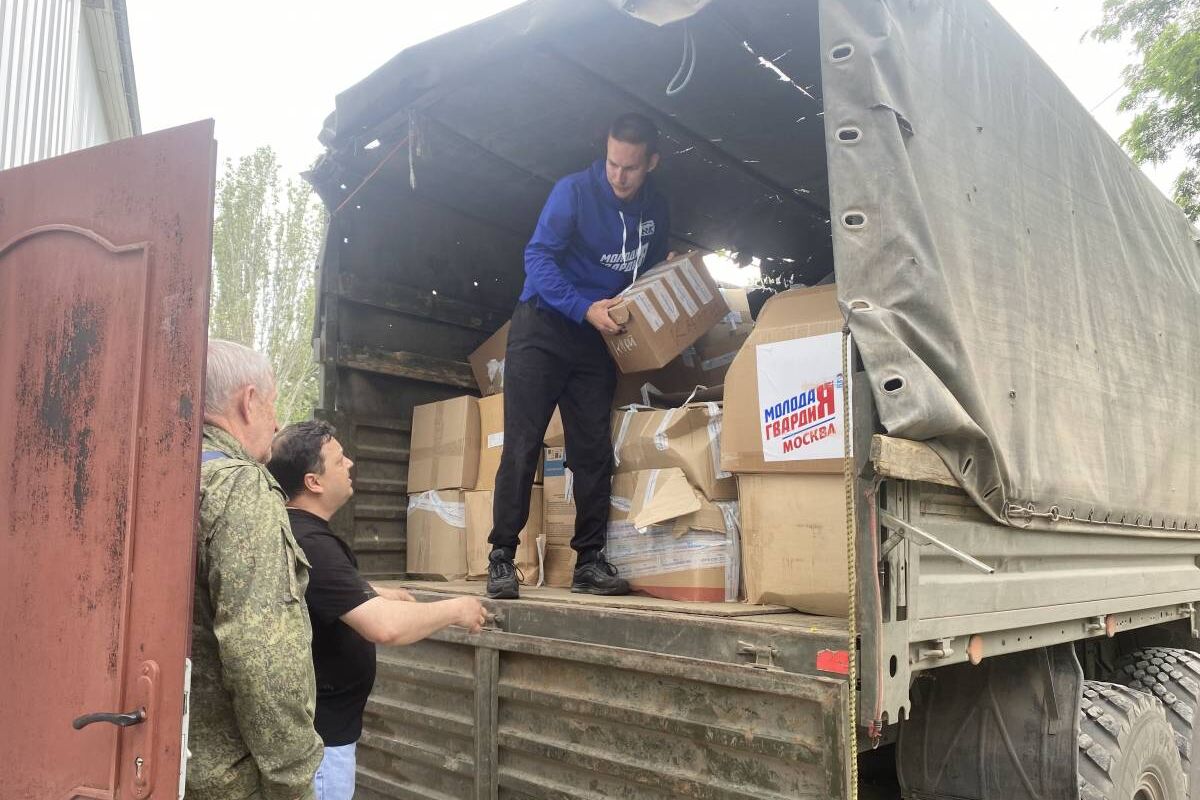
x,y
710,501
454,455
785,439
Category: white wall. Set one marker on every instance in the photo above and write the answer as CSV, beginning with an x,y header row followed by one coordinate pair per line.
x,y
50,99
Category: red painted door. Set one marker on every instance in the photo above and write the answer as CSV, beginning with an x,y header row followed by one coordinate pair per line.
x,y
104,268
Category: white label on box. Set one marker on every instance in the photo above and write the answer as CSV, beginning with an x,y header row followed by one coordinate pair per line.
x,y
664,299
700,287
647,308
495,440
719,361
685,297
800,403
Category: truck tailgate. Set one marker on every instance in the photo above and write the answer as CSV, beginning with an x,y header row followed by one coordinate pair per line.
x,y
612,699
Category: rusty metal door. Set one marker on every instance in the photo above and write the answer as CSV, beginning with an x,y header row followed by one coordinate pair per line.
x,y
104,264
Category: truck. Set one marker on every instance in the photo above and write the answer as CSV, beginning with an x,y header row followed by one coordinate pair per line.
x,y
1022,514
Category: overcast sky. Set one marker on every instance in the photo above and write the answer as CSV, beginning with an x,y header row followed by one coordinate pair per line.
x,y
267,72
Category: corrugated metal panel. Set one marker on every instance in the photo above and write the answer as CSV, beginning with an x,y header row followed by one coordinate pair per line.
x,y
373,521
530,717
52,96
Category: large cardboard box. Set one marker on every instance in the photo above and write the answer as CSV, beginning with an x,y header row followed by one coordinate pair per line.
x,y
784,404
487,363
713,353
688,438
444,451
675,379
437,535
663,312
669,542
491,441
794,550
479,527
491,444
558,499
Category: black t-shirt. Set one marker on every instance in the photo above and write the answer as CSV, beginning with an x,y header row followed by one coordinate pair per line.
x,y
343,660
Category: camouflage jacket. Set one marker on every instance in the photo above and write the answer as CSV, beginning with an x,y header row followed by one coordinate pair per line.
x,y
253,689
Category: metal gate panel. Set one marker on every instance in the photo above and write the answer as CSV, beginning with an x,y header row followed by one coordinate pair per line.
x,y
513,716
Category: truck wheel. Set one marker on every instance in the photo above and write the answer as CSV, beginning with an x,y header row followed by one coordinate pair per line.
x,y
1126,747
1173,676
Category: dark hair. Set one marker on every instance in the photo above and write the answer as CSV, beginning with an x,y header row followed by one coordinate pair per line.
x,y
296,451
635,128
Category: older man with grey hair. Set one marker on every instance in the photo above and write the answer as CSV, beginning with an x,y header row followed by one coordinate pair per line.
x,y
253,687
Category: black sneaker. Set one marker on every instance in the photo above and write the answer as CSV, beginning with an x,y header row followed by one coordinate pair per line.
x,y
502,583
598,577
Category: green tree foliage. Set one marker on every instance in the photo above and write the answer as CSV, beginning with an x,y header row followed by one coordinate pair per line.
x,y
1164,89
266,242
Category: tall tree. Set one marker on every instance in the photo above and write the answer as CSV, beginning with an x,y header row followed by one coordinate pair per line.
x,y
1164,89
266,241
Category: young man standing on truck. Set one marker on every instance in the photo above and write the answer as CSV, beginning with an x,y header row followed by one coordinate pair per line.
x,y
253,691
598,230
349,615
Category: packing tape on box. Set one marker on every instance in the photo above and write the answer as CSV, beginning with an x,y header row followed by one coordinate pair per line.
x,y
661,442
657,552
685,297
715,416
454,514
540,544
495,371
651,485
697,284
623,428
733,535
622,504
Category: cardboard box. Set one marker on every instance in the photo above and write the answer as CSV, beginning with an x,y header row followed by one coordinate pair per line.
x,y
444,449
479,527
487,363
437,535
784,404
559,566
558,503
713,353
669,542
491,441
675,379
491,444
663,312
794,549
688,438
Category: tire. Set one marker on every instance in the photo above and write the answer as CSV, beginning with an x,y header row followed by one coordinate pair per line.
x,y
1126,746
1173,676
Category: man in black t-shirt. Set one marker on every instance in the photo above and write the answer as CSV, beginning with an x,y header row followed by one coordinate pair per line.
x,y
349,615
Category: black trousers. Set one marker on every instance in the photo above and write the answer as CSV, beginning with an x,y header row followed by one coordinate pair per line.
x,y
552,361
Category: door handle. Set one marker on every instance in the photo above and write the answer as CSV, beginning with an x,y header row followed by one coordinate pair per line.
x,y
112,718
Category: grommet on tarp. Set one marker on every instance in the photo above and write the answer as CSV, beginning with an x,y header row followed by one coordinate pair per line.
x,y
850,134
854,220
841,52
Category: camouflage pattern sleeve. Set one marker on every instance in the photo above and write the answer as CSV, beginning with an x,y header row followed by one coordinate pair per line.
x,y
264,636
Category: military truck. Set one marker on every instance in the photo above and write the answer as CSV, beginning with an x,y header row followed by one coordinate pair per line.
x,y
1025,521
1022,516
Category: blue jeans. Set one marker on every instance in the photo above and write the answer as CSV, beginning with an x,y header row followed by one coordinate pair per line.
x,y
335,777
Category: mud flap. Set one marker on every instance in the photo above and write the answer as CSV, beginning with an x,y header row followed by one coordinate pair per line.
x,y
1003,730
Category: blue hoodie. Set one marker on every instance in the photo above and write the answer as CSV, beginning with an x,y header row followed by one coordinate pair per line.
x,y
588,243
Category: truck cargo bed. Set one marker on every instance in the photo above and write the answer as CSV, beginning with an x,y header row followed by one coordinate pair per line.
x,y
627,696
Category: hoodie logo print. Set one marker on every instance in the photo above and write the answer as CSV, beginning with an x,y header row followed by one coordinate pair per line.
x,y
647,228
626,262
